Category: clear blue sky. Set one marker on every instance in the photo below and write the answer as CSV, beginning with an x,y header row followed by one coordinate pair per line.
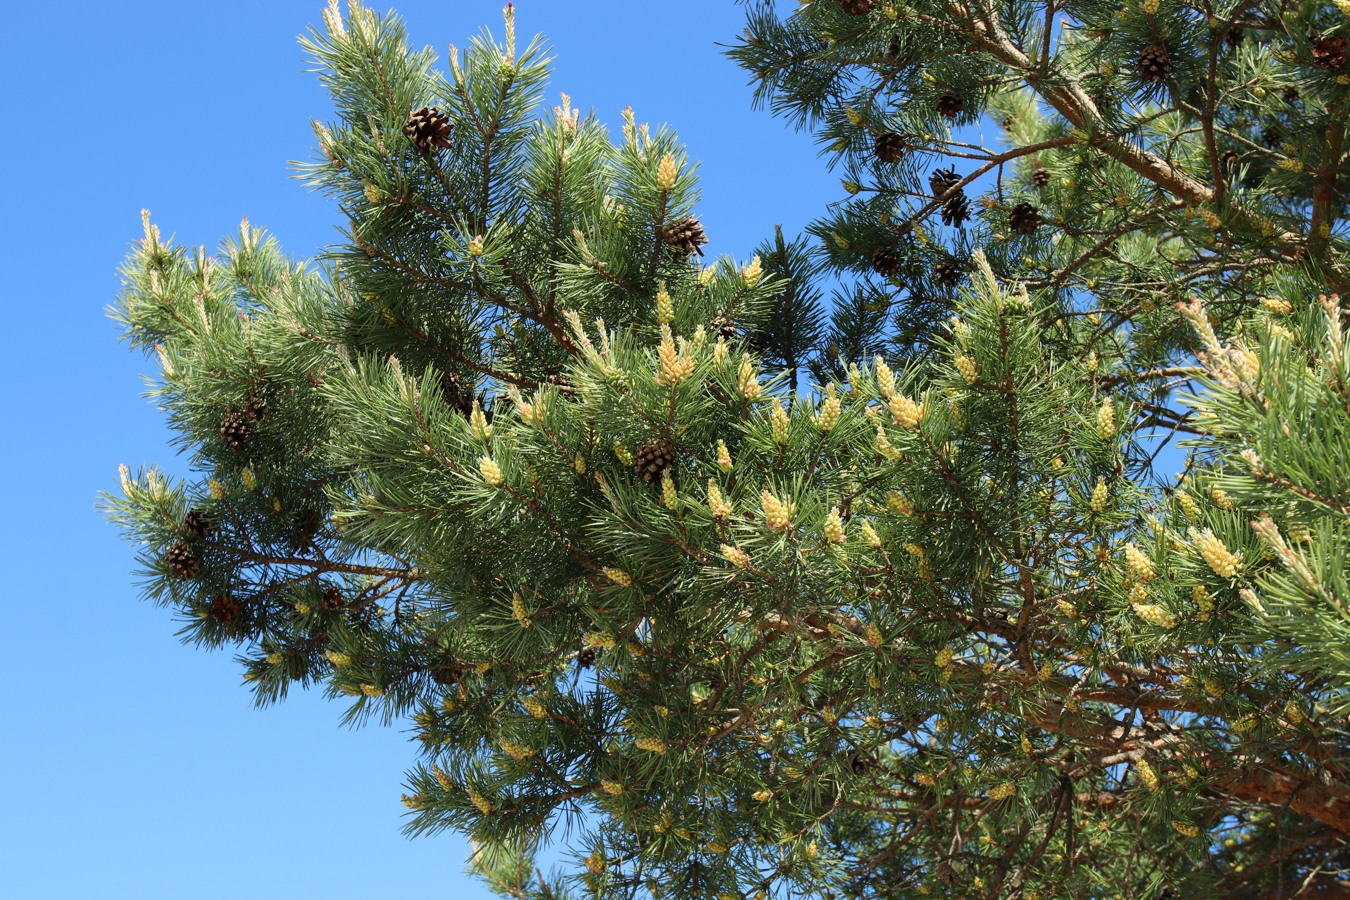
x,y
136,767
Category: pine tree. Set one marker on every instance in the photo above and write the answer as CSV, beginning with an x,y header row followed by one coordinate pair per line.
x,y
764,597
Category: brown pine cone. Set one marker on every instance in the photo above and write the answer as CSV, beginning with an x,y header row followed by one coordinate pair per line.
x,y
332,599
1153,64
235,431
1228,160
652,459
889,147
857,7
1039,176
181,561
1024,219
429,129
724,327
197,524
886,262
224,609
456,397
947,273
1328,52
950,105
686,234
255,405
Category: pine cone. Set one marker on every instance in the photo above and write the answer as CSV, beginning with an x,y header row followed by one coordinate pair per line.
x,y
452,389
886,262
224,609
1234,36
857,7
1039,176
941,180
307,523
428,129
889,146
332,599
724,327
1328,52
1272,135
197,524
955,206
255,405
955,210
686,234
947,274
950,105
1024,219
1153,64
652,459
1290,95
586,657
1228,160
235,431
181,561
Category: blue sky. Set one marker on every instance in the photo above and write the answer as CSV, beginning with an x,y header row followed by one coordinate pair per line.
x,y
136,767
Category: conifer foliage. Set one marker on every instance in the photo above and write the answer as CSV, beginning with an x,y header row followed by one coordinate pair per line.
x,y
768,597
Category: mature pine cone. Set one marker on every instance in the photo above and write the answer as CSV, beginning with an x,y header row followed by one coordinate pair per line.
x,y
305,524
947,273
1290,95
857,7
950,105
941,180
235,431
1234,36
428,129
724,327
456,397
198,524
955,206
886,262
332,599
1153,64
860,761
1039,176
1272,135
586,657
889,146
181,561
955,209
1228,160
224,609
686,234
1024,219
652,459
1328,52
255,405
